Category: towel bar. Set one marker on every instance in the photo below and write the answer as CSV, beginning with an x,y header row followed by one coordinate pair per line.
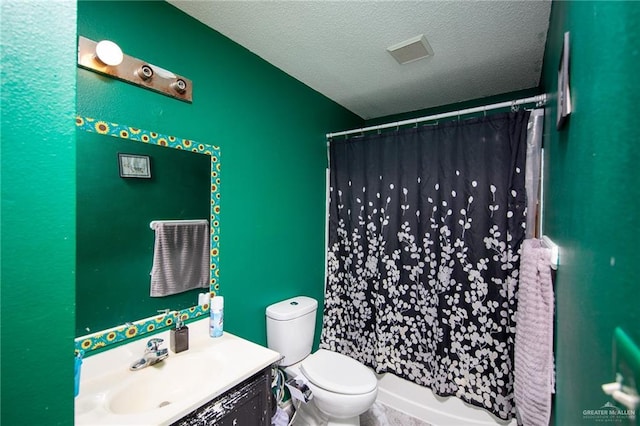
x,y
153,223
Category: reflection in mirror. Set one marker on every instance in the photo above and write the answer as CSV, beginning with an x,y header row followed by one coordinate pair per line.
x,y
114,240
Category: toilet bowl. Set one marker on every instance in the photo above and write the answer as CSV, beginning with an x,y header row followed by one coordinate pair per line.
x,y
341,387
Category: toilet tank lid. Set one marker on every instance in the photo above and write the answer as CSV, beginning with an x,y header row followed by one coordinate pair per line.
x,y
292,308
338,373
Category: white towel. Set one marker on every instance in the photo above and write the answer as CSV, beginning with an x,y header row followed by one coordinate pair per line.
x,y
533,369
180,258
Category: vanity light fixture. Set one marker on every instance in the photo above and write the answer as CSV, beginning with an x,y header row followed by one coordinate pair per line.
x,y
106,57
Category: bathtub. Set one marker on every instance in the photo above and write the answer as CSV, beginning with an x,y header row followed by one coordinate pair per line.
x,y
421,403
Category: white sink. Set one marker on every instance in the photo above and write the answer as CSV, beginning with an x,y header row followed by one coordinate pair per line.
x,y
161,384
111,394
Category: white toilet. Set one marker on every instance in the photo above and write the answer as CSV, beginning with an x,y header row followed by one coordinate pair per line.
x,y
342,387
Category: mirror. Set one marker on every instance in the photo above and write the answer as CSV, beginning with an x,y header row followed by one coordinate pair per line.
x,y
113,237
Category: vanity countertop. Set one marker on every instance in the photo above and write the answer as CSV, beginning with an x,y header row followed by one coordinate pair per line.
x,y
111,394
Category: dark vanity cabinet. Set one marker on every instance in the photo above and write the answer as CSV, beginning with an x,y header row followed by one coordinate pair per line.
x,y
246,404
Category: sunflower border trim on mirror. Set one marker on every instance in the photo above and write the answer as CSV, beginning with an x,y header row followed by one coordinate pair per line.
x,y
104,338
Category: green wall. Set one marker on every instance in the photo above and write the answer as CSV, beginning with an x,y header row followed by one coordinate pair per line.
x,y
593,196
270,129
113,239
38,212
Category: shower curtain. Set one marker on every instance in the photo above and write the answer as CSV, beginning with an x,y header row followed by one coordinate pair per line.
x,y
425,229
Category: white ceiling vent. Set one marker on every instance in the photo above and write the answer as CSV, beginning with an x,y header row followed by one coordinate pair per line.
x,y
411,50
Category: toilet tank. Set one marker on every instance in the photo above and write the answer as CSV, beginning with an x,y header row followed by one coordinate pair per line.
x,y
290,328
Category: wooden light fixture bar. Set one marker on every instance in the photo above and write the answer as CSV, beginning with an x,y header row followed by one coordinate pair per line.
x,y
135,71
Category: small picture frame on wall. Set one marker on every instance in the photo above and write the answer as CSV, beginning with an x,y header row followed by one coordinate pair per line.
x,y
134,166
564,93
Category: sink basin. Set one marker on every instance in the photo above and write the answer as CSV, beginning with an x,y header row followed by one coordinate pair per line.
x,y
160,385
111,394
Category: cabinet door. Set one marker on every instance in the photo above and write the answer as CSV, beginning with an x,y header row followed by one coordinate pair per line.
x,y
249,413
247,404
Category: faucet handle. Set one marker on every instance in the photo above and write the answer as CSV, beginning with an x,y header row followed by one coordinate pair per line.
x,y
154,344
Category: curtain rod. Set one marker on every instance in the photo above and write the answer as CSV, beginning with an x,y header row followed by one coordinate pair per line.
x,y
539,99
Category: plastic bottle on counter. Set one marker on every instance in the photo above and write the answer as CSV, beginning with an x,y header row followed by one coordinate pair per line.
x,y
217,316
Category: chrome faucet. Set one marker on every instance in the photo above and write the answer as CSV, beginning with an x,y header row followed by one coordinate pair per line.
x,y
153,354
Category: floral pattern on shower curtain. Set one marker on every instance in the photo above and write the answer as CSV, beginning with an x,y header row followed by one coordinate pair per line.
x,y
425,229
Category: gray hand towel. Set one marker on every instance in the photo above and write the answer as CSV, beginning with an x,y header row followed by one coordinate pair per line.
x,y
180,258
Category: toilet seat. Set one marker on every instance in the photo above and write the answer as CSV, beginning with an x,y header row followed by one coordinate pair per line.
x,y
338,373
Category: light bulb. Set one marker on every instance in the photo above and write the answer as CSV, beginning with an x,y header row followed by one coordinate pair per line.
x,y
109,53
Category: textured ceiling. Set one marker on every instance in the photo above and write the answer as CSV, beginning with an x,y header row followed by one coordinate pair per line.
x,y
338,48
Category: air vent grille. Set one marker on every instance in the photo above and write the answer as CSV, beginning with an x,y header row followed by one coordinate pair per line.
x,y
411,50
